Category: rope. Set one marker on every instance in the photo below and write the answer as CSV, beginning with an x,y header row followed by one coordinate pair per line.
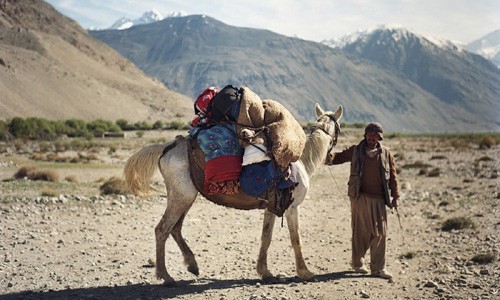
x,y
341,194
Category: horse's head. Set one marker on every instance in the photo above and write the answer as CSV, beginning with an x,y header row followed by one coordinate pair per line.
x,y
328,121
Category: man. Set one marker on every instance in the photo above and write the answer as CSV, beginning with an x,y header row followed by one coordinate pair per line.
x,y
372,181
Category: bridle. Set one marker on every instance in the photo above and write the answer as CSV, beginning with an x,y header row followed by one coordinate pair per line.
x,y
323,126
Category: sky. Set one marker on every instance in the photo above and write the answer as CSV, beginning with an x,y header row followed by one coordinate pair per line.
x,y
461,21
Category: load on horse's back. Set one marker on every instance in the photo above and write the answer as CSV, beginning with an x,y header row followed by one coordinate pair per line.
x,y
243,150
173,161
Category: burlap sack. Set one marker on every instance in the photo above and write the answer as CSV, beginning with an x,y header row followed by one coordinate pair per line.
x,y
283,137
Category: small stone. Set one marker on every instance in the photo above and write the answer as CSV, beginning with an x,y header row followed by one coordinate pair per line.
x,y
484,272
431,284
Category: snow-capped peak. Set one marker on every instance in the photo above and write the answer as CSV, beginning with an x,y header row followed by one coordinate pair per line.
x,y
146,18
397,33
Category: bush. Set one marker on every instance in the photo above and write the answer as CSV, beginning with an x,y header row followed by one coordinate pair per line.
x,y
115,186
48,192
487,142
98,127
408,255
143,125
71,178
4,133
176,124
484,259
457,223
158,125
33,173
23,172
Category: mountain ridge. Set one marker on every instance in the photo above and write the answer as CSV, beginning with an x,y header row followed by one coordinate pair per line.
x,y
447,71
190,53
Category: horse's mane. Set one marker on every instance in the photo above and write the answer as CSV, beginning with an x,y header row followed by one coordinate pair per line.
x,y
314,153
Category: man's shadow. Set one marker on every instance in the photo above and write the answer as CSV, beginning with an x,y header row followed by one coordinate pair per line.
x,y
183,287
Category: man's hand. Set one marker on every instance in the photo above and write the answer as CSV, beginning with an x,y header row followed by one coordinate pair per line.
x,y
395,202
329,158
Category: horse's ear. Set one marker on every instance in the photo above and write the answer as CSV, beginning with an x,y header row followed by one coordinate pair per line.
x,y
319,110
338,113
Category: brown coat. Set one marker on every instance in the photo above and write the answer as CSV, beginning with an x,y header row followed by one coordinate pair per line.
x,y
358,183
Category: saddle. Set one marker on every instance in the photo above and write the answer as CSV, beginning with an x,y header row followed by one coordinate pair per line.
x,y
275,200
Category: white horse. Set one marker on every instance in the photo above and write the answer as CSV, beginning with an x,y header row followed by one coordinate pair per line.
x,y
172,161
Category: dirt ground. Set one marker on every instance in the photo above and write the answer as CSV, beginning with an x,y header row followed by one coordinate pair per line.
x,y
81,245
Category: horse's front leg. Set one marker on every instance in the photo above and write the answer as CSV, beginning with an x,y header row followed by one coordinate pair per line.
x,y
292,218
267,234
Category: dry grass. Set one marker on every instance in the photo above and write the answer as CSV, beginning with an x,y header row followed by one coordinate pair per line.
x,y
32,173
457,223
48,192
71,178
113,186
484,259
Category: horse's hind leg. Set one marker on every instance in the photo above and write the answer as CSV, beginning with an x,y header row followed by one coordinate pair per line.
x,y
188,255
267,234
176,208
292,218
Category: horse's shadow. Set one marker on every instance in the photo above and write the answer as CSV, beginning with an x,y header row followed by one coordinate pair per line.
x,y
184,287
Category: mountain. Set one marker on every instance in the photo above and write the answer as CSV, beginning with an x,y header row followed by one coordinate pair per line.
x,y
50,67
455,76
148,17
487,46
190,53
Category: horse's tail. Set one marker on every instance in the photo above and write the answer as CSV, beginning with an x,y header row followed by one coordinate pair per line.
x,y
140,168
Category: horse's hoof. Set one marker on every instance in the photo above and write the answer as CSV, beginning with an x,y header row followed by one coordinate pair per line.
x,y
194,270
308,276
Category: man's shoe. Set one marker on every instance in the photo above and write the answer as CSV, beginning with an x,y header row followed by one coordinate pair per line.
x,y
382,274
362,269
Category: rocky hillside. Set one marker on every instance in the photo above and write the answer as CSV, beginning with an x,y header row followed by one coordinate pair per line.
x,y
190,53
50,67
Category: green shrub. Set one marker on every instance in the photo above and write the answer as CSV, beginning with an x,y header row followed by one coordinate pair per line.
x,y
158,125
176,124
4,133
98,127
18,127
143,125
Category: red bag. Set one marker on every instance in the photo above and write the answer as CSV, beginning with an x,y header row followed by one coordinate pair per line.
x,y
201,104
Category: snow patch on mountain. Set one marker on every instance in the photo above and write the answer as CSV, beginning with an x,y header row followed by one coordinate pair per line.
x,y
398,33
146,18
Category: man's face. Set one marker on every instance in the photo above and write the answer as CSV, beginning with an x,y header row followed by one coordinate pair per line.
x,y
372,139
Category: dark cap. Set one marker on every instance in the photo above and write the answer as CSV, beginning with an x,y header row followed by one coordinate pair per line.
x,y
375,127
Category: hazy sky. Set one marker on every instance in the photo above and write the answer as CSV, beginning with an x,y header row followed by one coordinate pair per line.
x,y
461,21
